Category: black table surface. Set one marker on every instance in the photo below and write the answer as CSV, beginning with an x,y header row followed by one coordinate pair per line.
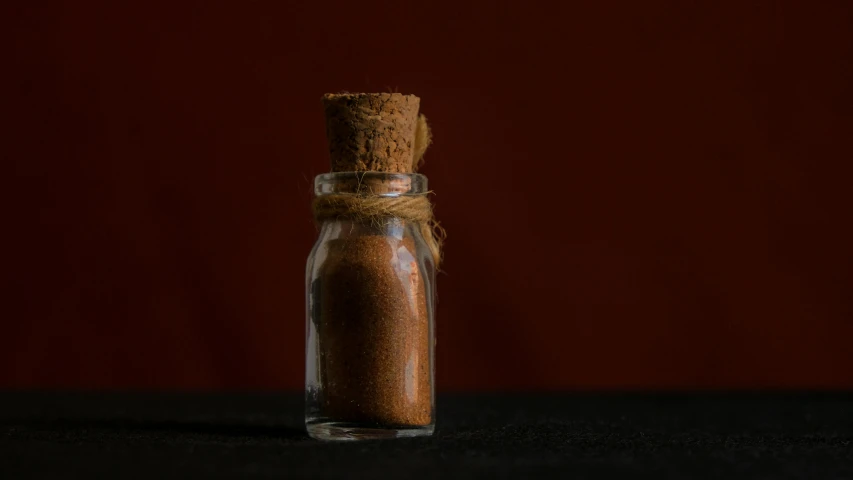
x,y
699,435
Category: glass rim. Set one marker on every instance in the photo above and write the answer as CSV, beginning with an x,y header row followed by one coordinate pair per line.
x,y
370,174
390,183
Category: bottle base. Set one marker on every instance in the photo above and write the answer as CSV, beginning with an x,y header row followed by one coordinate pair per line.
x,y
343,431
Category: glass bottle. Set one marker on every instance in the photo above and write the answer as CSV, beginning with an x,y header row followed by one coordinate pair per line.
x,y
370,318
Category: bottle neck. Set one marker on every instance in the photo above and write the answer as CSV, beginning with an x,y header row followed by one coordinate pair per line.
x,y
370,184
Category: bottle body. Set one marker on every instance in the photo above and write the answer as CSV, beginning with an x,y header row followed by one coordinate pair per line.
x,y
370,323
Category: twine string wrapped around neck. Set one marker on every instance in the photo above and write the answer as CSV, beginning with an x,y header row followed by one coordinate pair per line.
x,y
376,210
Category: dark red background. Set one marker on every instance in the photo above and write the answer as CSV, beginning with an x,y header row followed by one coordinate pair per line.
x,y
638,195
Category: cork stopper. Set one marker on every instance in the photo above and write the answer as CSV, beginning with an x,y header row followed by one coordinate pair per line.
x,y
371,131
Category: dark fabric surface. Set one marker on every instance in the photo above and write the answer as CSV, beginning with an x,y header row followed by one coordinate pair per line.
x,y
485,436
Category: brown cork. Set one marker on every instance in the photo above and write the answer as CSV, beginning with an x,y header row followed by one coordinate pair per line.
x,y
371,131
